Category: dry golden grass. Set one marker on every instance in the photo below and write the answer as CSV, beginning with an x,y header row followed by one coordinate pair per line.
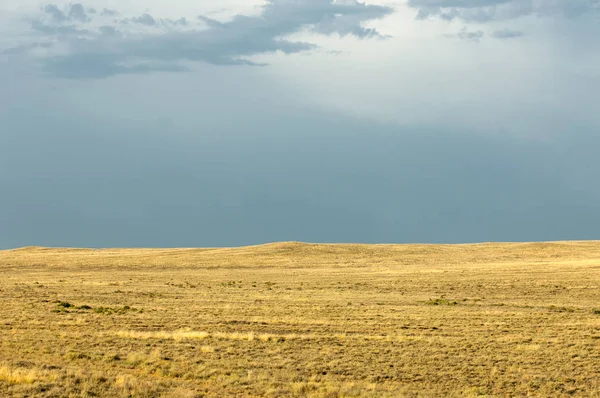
x,y
293,319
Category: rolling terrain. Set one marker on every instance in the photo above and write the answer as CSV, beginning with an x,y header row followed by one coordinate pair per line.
x,y
297,319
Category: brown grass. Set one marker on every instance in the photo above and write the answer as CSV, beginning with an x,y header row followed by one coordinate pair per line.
x,y
294,319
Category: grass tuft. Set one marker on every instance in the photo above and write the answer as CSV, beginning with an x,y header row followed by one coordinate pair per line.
x,y
441,301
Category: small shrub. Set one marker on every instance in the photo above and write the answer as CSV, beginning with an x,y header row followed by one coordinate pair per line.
x,y
554,308
122,310
441,301
76,355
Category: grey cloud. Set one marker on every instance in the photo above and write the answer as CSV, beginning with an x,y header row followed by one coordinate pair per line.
x,y
181,21
481,13
145,19
466,35
455,3
108,31
220,43
24,49
109,13
86,66
77,13
149,20
209,22
63,30
325,16
451,9
344,28
489,10
507,34
569,9
55,13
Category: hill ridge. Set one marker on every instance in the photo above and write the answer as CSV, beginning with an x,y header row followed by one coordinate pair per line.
x,y
300,254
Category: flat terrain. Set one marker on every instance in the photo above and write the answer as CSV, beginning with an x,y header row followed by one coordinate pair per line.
x,y
292,319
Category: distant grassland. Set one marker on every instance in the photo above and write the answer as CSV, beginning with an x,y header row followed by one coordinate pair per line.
x,y
295,319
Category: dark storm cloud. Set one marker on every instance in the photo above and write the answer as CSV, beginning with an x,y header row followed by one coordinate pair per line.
x,y
218,43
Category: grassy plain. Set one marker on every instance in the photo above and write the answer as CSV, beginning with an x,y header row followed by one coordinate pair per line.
x,y
293,319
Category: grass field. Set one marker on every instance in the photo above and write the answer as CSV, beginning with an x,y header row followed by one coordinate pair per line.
x,y
292,319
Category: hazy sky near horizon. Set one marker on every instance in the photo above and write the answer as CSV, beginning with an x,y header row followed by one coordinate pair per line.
x,y
205,123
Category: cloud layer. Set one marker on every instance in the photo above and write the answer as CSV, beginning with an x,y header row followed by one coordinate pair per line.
x,y
84,43
495,10
576,13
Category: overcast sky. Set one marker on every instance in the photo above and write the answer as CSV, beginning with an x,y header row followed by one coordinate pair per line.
x,y
233,122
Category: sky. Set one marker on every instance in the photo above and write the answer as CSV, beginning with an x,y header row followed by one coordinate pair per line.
x,y
205,123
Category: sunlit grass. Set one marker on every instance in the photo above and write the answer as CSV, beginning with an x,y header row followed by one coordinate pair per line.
x,y
294,319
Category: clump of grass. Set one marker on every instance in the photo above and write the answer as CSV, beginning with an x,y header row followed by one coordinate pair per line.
x,y
18,375
116,310
64,306
441,301
554,308
178,335
73,355
596,311
187,334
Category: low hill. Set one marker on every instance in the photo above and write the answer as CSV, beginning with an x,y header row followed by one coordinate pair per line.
x,y
297,254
